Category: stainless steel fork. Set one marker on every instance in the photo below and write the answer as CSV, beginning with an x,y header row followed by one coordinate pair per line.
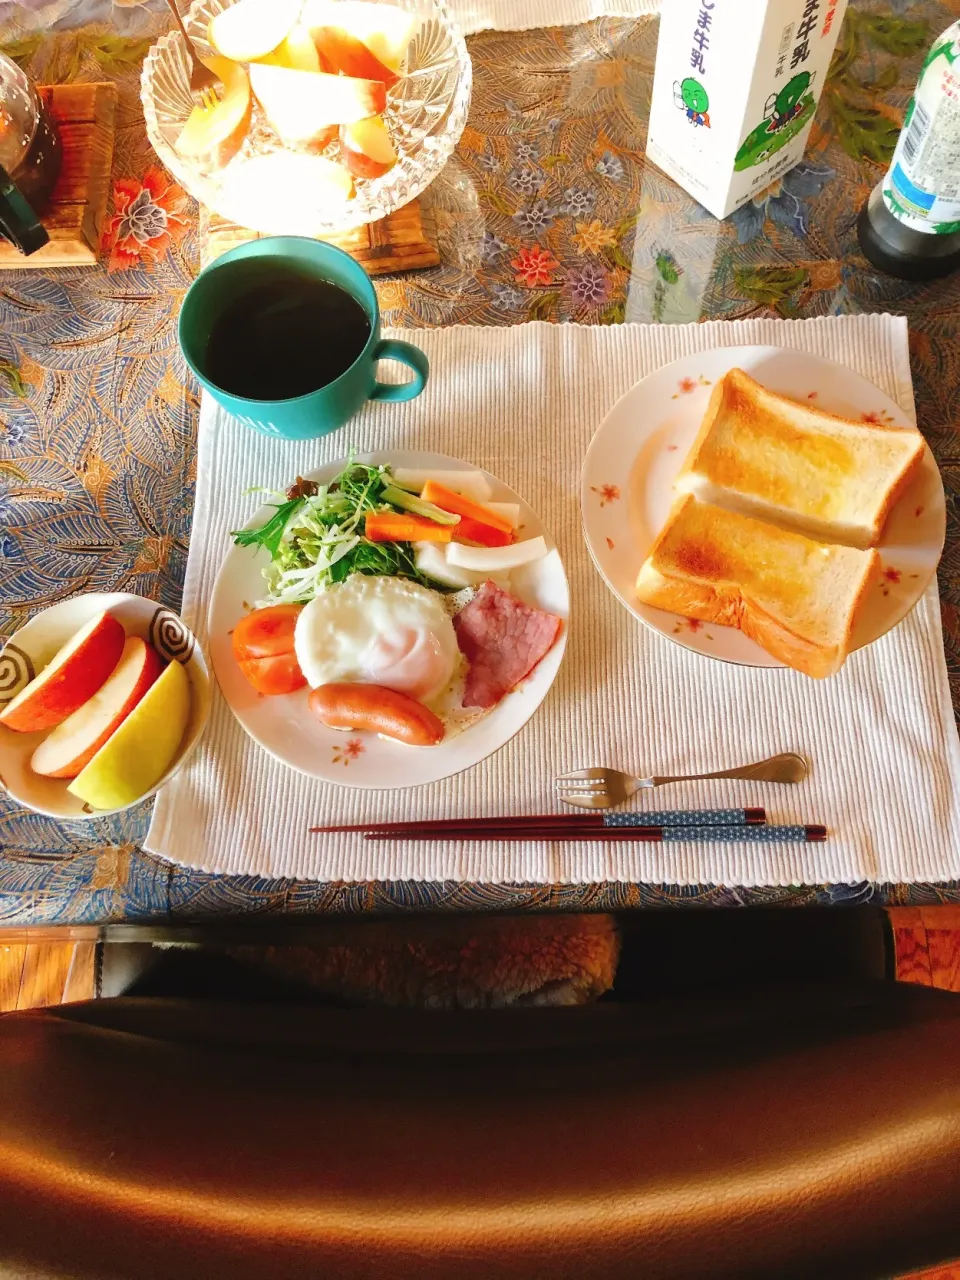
x,y
604,788
205,86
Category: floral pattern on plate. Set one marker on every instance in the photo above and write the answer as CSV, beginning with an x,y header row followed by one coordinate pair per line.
x,y
351,750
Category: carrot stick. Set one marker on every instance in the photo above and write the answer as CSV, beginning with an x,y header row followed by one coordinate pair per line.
x,y
390,526
470,530
456,503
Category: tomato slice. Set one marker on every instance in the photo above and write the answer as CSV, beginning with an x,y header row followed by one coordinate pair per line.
x,y
263,648
274,675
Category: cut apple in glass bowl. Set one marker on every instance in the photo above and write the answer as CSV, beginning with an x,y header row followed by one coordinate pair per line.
x,y
102,699
349,121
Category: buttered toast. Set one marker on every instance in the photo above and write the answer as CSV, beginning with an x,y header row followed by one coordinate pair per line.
x,y
796,597
764,455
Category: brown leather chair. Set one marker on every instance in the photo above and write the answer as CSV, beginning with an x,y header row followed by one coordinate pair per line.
x,y
759,1137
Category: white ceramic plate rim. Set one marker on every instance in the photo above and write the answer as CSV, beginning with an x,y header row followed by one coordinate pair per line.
x,y
409,766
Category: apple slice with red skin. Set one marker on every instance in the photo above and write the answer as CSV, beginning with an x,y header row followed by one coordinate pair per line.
x,y
214,135
385,29
74,674
302,105
366,149
76,741
339,51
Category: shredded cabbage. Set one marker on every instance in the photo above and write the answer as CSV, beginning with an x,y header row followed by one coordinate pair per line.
x,y
316,539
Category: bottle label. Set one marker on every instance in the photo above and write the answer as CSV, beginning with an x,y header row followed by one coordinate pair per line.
x,y
922,187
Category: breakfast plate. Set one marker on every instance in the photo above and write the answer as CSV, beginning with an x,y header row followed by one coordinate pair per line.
x,y
626,489
285,726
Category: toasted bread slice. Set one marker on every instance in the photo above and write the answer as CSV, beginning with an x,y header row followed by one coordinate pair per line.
x,y
764,455
795,597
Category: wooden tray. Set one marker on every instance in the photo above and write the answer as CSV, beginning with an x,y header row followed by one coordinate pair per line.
x,y
84,115
404,241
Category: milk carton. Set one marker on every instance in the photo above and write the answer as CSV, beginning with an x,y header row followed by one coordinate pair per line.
x,y
735,92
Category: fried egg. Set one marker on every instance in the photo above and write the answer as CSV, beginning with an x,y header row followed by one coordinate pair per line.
x,y
385,631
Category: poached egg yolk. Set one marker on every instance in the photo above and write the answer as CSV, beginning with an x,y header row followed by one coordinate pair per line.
x,y
385,631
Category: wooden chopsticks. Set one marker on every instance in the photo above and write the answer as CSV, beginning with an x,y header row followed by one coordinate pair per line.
x,y
566,821
668,826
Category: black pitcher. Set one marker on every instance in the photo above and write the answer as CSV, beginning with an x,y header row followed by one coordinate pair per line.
x,y
30,158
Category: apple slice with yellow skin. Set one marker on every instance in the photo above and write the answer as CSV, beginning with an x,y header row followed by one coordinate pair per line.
x,y
213,136
313,185
76,741
137,754
73,674
252,28
303,105
385,29
297,52
366,147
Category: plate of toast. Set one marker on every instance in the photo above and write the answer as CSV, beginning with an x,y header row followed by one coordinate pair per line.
x,y
763,506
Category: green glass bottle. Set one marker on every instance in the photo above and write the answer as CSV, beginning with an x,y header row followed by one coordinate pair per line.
x,y
910,225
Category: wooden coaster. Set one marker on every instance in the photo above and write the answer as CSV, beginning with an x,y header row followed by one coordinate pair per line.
x,y
84,116
403,241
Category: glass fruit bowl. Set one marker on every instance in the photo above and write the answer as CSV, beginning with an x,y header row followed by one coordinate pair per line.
x,y
277,190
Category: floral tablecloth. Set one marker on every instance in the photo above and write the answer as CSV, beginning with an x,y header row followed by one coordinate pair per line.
x,y
547,211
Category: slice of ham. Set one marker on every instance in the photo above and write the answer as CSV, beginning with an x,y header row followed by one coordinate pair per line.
x,y
503,639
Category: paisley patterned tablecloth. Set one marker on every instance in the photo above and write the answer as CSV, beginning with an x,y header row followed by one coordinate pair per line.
x,y
547,211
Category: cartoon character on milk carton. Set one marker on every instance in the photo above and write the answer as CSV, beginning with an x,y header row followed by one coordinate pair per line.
x,y
784,115
789,109
690,96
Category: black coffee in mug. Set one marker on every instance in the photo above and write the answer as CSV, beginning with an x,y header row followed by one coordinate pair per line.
x,y
283,333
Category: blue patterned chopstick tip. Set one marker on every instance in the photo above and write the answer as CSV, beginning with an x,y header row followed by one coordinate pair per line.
x,y
684,818
794,834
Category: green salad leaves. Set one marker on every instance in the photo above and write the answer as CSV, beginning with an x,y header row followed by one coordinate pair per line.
x,y
315,536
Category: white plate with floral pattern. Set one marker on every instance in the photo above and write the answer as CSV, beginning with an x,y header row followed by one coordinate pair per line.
x,y
284,725
626,487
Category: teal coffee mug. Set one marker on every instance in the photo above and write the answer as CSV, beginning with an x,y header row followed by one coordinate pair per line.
x,y
285,334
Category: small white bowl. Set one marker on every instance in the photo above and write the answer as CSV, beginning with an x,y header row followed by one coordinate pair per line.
x,y
31,648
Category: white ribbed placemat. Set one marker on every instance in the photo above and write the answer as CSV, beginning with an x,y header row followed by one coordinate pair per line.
x,y
525,15
524,403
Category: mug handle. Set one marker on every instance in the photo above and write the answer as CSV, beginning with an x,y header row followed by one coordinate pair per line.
x,y
413,358
18,222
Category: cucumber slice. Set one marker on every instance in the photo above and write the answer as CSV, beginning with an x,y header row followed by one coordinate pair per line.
x,y
416,506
